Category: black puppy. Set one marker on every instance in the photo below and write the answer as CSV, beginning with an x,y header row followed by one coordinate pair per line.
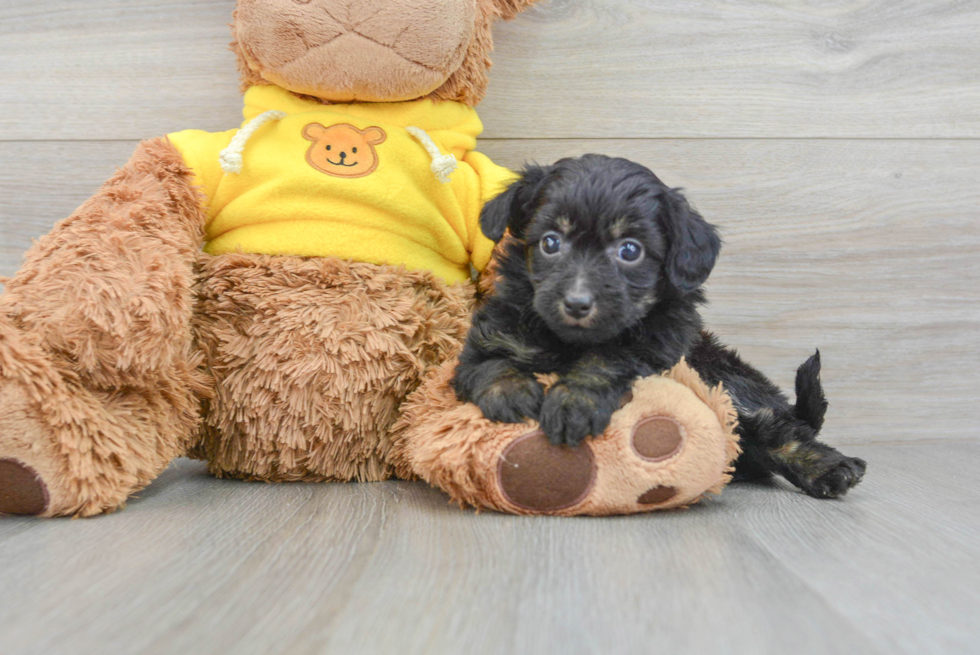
x,y
600,284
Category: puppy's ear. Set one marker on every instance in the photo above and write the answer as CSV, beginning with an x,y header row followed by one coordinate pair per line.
x,y
514,207
694,244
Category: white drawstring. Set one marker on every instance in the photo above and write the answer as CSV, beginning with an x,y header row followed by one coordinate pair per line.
x,y
231,157
442,165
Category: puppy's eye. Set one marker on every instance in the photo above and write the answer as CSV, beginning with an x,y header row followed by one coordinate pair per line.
x,y
630,251
551,243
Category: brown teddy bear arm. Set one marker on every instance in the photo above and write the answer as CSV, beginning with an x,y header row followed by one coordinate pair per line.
x,y
108,290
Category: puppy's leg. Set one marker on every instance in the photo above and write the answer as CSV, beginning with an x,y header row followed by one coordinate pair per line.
x,y
583,400
495,371
778,437
503,393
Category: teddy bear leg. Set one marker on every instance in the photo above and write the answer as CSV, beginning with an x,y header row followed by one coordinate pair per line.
x,y
67,449
669,444
99,384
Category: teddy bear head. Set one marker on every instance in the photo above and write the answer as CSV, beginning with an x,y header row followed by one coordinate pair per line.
x,y
370,50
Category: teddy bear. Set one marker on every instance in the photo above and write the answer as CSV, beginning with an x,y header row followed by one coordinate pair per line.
x,y
285,299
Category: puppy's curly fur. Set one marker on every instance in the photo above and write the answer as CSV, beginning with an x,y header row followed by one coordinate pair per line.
x,y
600,282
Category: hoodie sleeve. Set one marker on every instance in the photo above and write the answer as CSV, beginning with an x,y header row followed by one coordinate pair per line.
x,y
492,180
201,151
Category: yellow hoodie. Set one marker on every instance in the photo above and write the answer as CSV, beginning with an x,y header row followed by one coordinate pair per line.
x,y
347,181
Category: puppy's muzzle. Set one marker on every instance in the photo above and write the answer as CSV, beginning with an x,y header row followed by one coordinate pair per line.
x,y
577,307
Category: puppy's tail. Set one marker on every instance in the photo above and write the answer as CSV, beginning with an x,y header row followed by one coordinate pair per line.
x,y
811,404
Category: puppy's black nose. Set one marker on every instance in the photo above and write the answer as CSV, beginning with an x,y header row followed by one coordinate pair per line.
x,y
578,305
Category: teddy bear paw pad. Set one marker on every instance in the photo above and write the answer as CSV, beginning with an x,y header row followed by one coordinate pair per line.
x,y
657,495
21,490
539,477
658,438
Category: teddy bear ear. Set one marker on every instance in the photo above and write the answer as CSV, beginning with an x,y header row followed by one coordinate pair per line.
x,y
375,136
510,8
314,132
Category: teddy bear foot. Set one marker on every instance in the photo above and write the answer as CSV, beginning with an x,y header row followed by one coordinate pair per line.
x,y
22,491
31,478
539,477
645,461
672,442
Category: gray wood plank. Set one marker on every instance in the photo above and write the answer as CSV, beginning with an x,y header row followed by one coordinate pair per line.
x,y
131,69
865,249
204,565
631,585
43,182
903,545
114,69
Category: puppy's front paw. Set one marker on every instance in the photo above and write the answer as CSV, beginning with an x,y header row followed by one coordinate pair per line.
x,y
836,480
511,400
570,414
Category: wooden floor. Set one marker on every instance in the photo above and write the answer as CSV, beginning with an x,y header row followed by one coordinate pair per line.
x,y
837,146
198,565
